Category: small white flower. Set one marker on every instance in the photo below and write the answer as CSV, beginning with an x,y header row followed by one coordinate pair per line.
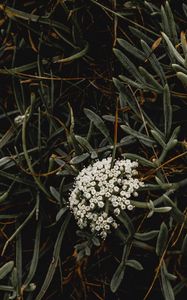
x,y
135,194
107,227
116,189
97,228
123,206
117,211
130,207
101,204
107,194
88,195
122,193
127,202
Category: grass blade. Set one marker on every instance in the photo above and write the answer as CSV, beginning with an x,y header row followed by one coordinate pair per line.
x,y
55,259
35,258
167,111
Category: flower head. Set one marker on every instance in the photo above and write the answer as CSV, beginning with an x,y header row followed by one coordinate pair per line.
x,y
101,192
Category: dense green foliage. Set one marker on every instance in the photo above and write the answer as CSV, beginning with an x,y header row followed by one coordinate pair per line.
x,y
82,80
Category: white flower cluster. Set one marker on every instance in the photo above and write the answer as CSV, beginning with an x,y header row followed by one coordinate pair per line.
x,y
101,192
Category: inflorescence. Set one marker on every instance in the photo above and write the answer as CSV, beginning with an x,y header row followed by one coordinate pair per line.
x,y
101,191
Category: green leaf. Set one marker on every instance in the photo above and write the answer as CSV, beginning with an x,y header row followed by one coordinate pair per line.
x,y
54,261
179,68
126,221
165,23
117,277
60,213
158,138
55,193
128,140
169,276
172,49
175,133
35,257
140,136
79,158
98,122
128,65
146,236
176,213
131,49
133,83
134,264
19,263
166,286
154,61
140,35
86,145
182,77
162,239
172,23
141,160
6,268
151,80
167,111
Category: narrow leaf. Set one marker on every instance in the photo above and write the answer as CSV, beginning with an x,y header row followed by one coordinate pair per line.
x,y
98,122
172,23
54,261
151,80
141,160
35,258
79,158
158,138
55,193
117,277
172,49
182,77
6,268
86,145
61,213
126,221
131,49
146,236
134,264
166,287
167,111
133,83
151,57
140,136
128,65
140,35
162,239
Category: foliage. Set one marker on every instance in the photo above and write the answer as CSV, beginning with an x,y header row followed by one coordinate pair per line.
x,y
82,80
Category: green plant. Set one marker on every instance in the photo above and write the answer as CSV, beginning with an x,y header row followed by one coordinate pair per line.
x,y
62,109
